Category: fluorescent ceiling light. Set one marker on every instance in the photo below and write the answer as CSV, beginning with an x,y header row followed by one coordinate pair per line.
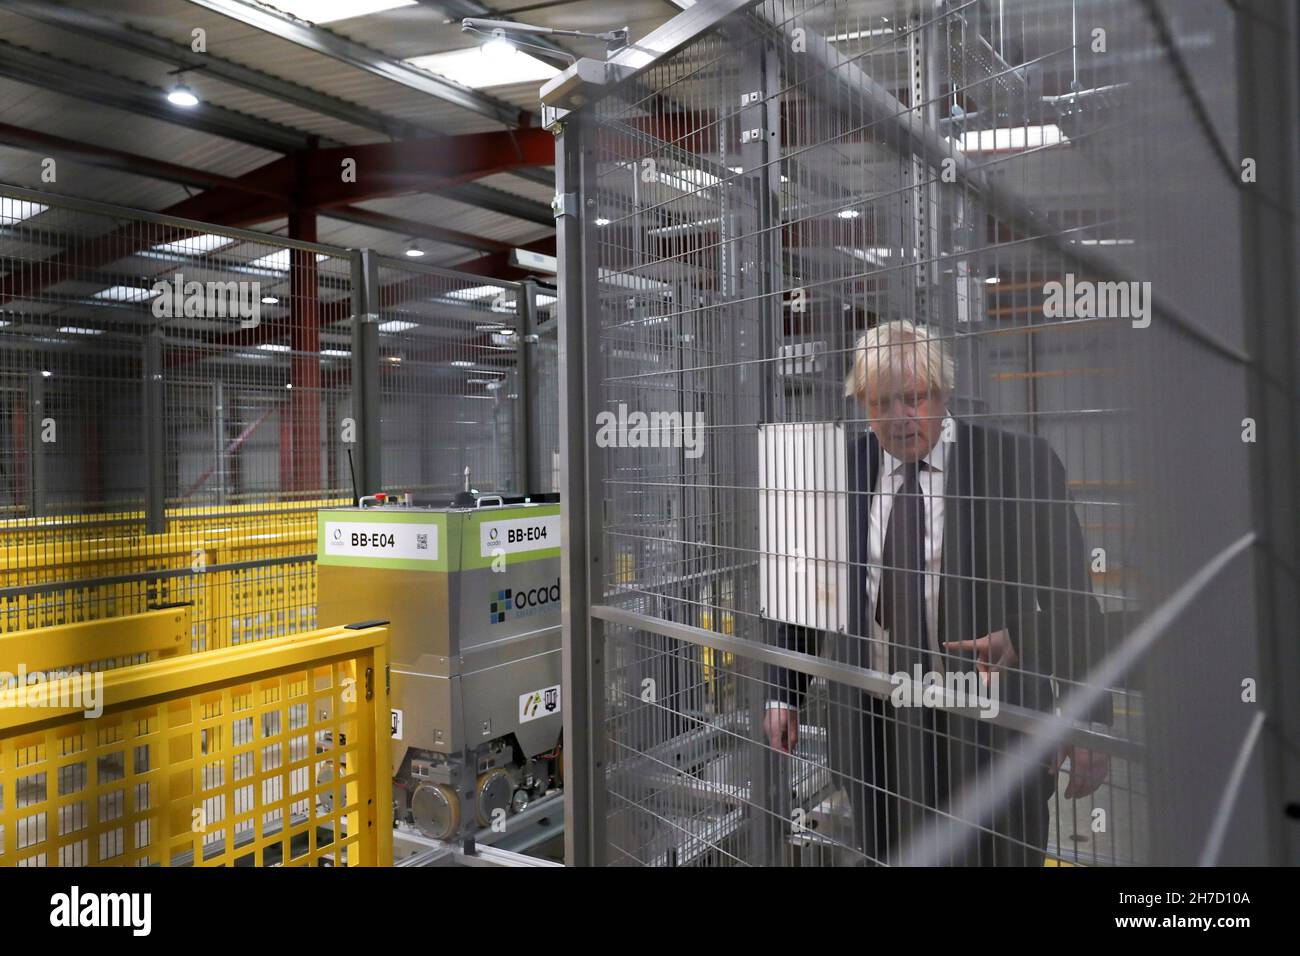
x,y
861,34
15,210
480,68
278,261
684,227
875,255
624,280
193,245
461,363
477,292
124,293
992,280
78,330
848,214
602,221
336,353
688,180
1103,242
273,347
270,300
396,325
327,11
1019,137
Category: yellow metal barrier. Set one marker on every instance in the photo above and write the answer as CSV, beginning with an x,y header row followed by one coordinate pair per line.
x,y
274,753
131,639
248,570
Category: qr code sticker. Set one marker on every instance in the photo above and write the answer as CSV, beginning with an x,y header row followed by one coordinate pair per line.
x,y
421,542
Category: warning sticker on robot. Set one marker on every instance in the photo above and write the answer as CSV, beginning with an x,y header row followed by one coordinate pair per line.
x,y
396,724
381,539
539,703
518,534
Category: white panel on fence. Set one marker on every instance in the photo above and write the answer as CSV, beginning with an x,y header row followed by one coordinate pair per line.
x,y
803,525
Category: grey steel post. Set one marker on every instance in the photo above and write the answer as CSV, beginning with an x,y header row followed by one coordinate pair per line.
x,y
365,371
219,437
1267,66
761,275
36,477
155,464
580,567
525,337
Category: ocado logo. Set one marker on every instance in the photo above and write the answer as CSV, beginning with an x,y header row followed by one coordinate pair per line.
x,y
508,599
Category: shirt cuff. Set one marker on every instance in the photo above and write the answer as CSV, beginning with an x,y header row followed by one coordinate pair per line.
x,y
780,705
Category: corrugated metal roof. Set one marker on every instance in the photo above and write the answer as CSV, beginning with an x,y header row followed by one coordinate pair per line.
x,y
399,34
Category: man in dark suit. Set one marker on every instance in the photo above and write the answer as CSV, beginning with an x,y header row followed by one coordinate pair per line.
x,y
965,553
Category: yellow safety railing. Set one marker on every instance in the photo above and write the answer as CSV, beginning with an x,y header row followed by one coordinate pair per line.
x,y
248,570
99,645
274,753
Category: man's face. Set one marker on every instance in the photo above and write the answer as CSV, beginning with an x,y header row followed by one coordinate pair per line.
x,y
906,416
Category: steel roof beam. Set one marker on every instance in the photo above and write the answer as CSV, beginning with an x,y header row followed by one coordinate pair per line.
x,y
500,201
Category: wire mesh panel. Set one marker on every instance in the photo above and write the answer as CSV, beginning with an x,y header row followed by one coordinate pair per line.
x,y
543,393
271,759
895,312
174,403
449,346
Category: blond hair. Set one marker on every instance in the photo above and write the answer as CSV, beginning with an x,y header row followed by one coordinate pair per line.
x,y
896,348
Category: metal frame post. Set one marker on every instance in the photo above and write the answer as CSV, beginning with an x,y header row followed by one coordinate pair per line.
x,y
365,371
580,506
1267,36
761,275
155,464
526,305
36,481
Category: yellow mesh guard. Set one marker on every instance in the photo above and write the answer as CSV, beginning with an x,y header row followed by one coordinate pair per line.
x,y
268,754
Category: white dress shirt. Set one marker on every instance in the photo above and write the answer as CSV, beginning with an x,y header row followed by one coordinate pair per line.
x,y
889,479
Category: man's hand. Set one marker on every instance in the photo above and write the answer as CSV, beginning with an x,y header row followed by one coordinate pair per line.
x,y
1088,770
993,651
781,724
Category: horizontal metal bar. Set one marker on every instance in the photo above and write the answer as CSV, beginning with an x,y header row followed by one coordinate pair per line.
x,y
876,683
158,575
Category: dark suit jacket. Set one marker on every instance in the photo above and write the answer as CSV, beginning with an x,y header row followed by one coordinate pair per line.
x,y
1013,557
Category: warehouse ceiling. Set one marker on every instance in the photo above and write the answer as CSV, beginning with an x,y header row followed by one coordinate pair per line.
x,y
85,83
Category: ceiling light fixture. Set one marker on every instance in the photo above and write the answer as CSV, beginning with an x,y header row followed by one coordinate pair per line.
x,y
414,250
182,95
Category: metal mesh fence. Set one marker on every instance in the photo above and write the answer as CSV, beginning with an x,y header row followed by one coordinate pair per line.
x,y
544,396
449,349
977,212
177,401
